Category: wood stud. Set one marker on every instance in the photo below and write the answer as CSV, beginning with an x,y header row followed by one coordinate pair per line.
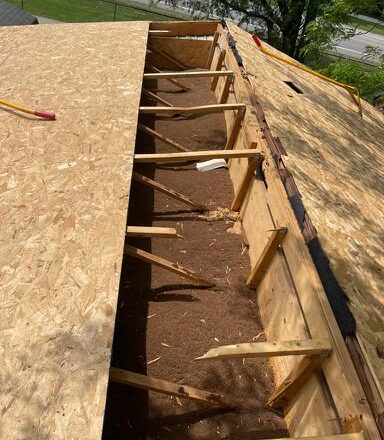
x,y
307,347
155,97
235,128
162,137
196,155
167,191
253,164
152,231
225,92
266,257
219,66
161,386
199,109
212,50
193,74
171,80
291,385
165,264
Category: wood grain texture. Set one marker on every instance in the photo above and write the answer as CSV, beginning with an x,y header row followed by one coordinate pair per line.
x,y
312,411
63,203
337,162
162,386
243,350
196,155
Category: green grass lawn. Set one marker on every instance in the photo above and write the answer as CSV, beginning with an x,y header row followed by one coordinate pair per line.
x,y
366,25
76,11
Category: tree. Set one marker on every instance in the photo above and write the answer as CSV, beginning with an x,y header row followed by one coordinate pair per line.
x,y
368,80
330,26
292,26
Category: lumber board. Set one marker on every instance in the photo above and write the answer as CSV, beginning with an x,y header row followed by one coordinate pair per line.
x,y
192,74
268,254
212,50
308,347
162,137
165,264
348,227
245,183
63,202
203,109
312,411
171,80
353,436
219,65
162,386
151,231
186,27
236,126
155,97
226,90
345,388
159,33
196,155
167,191
293,383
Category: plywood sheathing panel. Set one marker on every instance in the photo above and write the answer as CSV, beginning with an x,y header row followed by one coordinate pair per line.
x,y
312,412
336,159
191,52
63,202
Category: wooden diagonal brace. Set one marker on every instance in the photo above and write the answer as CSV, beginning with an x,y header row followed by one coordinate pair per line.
x,y
165,264
253,163
162,386
167,56
167,191
219,66
212,50
235,128
266,257
307,347
173,81
291,385
155,97
225,92
160,136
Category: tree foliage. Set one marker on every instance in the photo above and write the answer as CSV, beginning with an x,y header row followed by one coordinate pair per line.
x,y
296,27
330,25
368,80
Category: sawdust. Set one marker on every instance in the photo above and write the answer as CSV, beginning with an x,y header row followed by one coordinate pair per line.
x,y
219,214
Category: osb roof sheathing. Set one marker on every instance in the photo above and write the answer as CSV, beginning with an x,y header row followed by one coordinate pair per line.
x,y
63,203
337,161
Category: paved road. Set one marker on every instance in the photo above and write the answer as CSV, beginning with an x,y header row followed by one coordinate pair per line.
x,y
354,47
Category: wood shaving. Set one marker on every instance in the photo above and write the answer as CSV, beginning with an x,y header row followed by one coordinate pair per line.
x,y
255,338
154,360
164,344
219,214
